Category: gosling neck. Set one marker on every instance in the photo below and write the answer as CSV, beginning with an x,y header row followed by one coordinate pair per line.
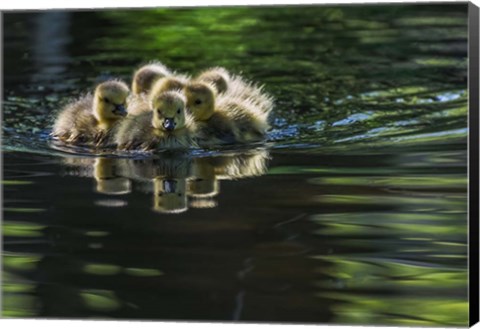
x,y
106,124
102,123
206,115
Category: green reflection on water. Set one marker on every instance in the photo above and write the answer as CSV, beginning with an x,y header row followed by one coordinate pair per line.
x,y
15,182
100,300
97,233
101,269
364,309
23,210
18,305
22,229
143,272
418,202
406,293
396,182
20,262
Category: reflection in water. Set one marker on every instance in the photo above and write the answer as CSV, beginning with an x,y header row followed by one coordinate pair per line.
x,y
105,172
376,237
51,38
176,182
169,195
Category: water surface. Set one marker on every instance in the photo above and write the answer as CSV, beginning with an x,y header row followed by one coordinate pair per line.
x,y
353,212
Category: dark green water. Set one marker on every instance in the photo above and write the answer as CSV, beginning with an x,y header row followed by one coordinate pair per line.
x,y
353,212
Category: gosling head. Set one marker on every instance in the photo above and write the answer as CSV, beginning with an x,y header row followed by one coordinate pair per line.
x,y
145,77
110,101
217,76
168,84
168,111
200,100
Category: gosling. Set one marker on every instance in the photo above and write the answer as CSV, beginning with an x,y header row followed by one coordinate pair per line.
x,y
166,125
93,118
224,120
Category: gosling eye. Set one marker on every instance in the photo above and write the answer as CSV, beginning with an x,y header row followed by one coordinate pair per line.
x,y
106,100
178,111
198,101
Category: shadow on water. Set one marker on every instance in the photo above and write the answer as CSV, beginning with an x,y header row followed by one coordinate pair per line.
x,y
354,210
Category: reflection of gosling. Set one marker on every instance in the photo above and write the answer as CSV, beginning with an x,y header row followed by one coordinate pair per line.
x,y
145,77
203,186
237,88
203,203
224,120
204,182
166,126
169,195
77,166
174,165
106,173
92,118
245,165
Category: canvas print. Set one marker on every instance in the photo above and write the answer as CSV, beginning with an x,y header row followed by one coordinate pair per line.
x,y
280,164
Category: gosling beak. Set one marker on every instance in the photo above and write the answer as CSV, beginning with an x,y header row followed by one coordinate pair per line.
x,y
120,110
169,186
169,124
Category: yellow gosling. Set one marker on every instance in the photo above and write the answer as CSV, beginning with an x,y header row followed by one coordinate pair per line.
x,y
234,86
92,118
222,119
166,125
171,83
217,76
144,78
